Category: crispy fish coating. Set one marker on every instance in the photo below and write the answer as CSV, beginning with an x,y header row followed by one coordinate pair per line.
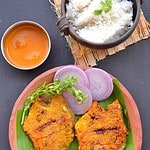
x,y
50,126
101,129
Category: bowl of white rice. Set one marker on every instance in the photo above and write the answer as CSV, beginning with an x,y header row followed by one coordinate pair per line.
x,y
99,24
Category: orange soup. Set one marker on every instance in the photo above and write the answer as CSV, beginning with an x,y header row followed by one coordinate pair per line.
x,y
26,46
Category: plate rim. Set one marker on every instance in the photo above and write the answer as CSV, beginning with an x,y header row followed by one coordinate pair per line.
x,y
35,82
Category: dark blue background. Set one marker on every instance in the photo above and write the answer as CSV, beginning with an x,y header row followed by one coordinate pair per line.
x,y
131,66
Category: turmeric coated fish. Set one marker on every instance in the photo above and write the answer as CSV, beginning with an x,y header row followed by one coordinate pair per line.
x,y
101,129
50,125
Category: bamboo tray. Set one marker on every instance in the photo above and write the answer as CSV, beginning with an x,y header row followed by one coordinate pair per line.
x,y
86,56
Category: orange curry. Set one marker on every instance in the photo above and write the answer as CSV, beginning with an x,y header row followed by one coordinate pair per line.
x,y
26,46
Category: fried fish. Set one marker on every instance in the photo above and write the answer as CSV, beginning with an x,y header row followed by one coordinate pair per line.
x,y
50,126
101,129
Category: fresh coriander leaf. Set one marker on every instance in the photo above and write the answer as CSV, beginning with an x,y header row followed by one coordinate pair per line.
x,y
105,6
52,89
98,12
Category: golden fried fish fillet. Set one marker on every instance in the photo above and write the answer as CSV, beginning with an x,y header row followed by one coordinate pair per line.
x,y
50,126
101,129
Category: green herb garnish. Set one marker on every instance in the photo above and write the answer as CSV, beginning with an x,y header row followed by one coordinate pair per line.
x,y
105,7
51,90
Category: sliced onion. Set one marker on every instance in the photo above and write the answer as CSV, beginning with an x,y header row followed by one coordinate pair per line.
x,y
79,108
101,84
72,70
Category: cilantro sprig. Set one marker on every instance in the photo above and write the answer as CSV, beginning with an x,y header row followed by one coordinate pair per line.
x,y
106,6
51,90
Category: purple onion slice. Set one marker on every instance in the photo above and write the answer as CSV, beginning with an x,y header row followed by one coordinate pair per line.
x,y
79,108
101,84
71,70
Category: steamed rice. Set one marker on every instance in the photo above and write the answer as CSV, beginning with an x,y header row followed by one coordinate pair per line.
x,y
99,28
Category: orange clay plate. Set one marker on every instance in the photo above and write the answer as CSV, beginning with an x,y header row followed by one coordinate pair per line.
x,y
133,113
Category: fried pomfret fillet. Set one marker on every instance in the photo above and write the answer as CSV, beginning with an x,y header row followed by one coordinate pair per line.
x,y
50,126
101,129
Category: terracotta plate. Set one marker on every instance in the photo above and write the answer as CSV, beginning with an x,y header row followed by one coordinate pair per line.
x,y
133,113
